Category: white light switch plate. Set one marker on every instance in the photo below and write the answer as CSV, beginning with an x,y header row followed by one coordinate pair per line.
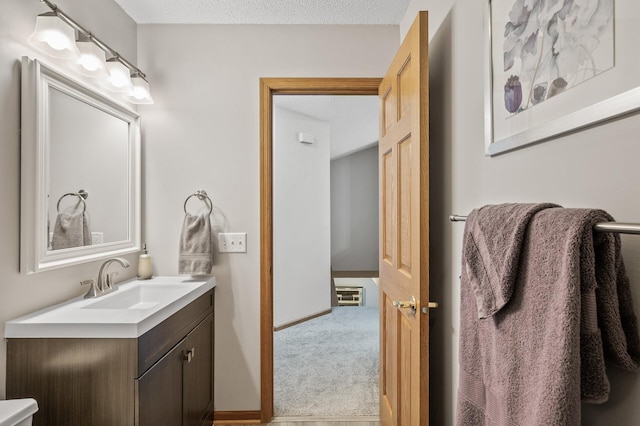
x,y
232,242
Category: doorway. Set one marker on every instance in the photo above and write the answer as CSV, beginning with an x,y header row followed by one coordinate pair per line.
x,y
269,88
404,225
325,222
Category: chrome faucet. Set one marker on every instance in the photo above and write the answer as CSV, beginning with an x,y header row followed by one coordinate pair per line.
x,y
104,280
103,284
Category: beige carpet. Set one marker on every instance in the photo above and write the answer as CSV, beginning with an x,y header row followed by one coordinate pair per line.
x,y
328,366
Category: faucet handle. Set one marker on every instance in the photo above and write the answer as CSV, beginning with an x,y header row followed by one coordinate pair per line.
x,y
93,290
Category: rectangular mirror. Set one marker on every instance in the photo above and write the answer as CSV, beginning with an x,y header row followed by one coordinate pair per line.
x,y
80,183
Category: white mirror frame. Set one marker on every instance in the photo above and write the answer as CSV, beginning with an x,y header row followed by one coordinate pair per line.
x,y
37,79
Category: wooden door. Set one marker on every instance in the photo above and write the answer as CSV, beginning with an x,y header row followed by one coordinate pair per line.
x,y
404,233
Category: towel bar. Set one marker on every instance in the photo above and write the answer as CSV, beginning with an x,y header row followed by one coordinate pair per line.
x,y
202,195
615,227
81,194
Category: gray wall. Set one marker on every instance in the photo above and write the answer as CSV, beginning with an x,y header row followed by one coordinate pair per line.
x,y
203,132
354,211
593,168
20,294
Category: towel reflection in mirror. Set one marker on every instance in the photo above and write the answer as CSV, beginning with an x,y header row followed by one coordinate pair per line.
x,y
71,228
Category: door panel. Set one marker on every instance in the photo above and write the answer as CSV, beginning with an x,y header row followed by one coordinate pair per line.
x,y
198,373
160,391
404,84
405,342
404,230
388,202
404,206
389,358
388,110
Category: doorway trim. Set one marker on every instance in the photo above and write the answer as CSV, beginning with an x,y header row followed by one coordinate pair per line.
x,y
268,88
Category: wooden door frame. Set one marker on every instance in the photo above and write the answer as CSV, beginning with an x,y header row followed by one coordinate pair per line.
x,y
268,88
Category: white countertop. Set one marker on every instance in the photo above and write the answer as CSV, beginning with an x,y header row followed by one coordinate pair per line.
x,y
107,316
14,411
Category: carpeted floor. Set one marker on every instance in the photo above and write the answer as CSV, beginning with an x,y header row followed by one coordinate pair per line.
x,y
328,366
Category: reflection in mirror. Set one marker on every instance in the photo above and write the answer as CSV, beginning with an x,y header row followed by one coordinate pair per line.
x,y
88,149
72,224
80,184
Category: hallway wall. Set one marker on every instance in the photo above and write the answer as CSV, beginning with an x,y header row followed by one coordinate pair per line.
x,y
301,218
354,211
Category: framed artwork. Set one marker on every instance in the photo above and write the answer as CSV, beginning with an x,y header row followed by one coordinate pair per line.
x,y
558,66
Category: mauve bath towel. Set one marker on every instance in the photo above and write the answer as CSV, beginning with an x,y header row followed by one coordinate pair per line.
x,y
544,302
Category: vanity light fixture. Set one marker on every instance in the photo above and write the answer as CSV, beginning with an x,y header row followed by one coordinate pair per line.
x,y
91,61
55,35
119,78
140,93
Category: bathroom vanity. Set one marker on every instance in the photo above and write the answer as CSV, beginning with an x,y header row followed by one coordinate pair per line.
x,y
142,355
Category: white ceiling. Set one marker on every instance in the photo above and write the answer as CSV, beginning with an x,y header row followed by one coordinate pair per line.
x,y
353,119
348,12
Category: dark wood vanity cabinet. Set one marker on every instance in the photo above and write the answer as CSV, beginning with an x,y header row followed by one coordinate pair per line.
x,y
164,377
177,390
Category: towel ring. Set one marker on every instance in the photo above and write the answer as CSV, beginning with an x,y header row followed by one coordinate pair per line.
x,y
82,195
202,195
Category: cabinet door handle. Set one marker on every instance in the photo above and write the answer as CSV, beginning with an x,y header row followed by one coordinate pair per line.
x,y
188,355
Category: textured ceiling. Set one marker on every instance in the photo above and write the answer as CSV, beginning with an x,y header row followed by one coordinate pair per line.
x,y
349,12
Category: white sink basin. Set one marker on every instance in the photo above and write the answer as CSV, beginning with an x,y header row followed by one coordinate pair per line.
x,y
132,310
143,296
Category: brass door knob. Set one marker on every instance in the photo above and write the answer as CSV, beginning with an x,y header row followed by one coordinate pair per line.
x,y
406,304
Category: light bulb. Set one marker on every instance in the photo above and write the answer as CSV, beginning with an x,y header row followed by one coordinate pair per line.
x,y
56,40
140,93
119,79
91,61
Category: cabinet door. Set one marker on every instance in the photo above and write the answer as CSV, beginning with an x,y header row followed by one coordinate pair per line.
x,y
160,393
198,373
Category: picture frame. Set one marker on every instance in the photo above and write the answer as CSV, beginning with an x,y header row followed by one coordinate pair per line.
x,y
611,94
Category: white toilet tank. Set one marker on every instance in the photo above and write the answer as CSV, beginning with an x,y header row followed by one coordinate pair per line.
x,y
17,412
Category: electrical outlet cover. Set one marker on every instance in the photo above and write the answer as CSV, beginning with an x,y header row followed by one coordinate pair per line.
x,y
232,242
97,237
